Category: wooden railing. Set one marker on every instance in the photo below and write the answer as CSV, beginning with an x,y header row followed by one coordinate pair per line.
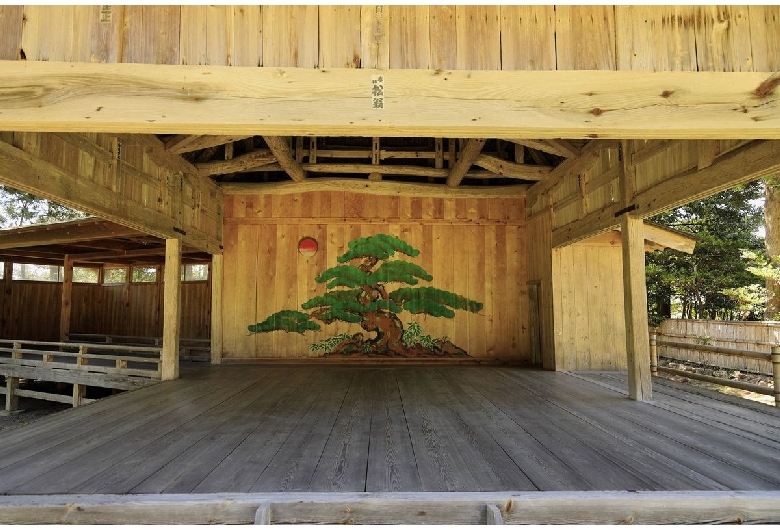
x,y
773,356
101,365
185,345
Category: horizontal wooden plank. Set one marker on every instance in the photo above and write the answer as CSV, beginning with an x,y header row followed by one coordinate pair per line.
x,y
644,507
214,100
70,233
714,349
767,391
370,187
78,377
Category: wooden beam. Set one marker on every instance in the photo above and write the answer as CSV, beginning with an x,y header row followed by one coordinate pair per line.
x,y
280,147
635,308
55,234
656,238
590,154
368,187
26,172
753,161
67,298
171,310
184,143
554,147
216,308
505,168
216,100
248,161
467,157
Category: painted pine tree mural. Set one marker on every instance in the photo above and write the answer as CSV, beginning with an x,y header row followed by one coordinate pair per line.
x,y
371,289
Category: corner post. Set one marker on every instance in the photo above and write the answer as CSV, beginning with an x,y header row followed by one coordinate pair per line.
x,y
171,310
776,372
67,298
216,308
635,308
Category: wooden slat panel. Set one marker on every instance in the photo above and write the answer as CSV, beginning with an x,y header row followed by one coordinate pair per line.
x,y
11,32
339,36
47,34
764,28
151,34
478,37
723,39
375,37
290,36
585,37
527,37
443,36
656,38
409,36
96,33
247,38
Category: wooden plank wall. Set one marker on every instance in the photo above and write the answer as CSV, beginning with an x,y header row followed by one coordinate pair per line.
x,y
540,275
31,310
588,300
473,247
703,38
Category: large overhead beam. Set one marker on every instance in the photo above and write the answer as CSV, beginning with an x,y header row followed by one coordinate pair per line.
x,y
63,234
26,172
755,160
214,100
375,187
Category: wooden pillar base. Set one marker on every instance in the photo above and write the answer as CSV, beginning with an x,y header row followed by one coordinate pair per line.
x,y
78,395
11,399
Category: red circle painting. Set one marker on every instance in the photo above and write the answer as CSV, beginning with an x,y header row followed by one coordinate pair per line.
x,y
307,246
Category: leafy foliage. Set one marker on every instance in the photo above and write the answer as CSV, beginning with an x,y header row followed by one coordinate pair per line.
x,y
18,208
327,345
380,247
432,301
725,224
285,320
413,336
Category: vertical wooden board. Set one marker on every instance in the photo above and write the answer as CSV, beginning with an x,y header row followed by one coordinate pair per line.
x,y
193,40
339,36
579,358
492,331
443,38
336,204
387,207
443,272
247,38
615,336
764,28
461,255
151,34
404,207
286,287
337,245
290,36
479,37
475,239
239,295
354,205
409,36
375,37
449,209
507,305
219,34
47,34
369,208
517,291
723,39
95,39
655,38
585,37
565,328
11,32
528,37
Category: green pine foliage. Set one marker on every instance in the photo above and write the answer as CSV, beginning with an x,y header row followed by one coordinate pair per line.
x,y
380,246
433,301
286,320
400,272
343,276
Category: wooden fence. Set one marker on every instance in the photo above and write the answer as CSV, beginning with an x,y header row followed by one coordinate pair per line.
x,y
82,365
749,346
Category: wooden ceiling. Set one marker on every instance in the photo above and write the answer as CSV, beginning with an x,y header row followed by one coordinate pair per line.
x,y
446,161
89,242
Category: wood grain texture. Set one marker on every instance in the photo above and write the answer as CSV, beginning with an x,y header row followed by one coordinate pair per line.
x,y
340,44
478,30
656,38
290,36
409,33
585,37
11,32
151,35
527,37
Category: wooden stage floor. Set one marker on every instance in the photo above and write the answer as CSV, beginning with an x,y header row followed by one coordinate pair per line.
x,y
317,428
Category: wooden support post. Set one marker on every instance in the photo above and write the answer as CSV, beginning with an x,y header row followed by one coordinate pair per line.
x,y
216,309
635,308
776,372
439,153
313,150
67,299
171,310
11,399
263,514
467,157
494,515
78,394
653,353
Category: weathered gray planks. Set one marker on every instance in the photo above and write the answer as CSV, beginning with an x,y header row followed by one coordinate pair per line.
x,y
306,428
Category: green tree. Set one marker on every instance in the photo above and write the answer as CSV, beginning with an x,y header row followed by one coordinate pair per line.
x,y
18,208
358,292
707,282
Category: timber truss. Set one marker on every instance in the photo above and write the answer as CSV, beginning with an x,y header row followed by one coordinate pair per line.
x,y
450,161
